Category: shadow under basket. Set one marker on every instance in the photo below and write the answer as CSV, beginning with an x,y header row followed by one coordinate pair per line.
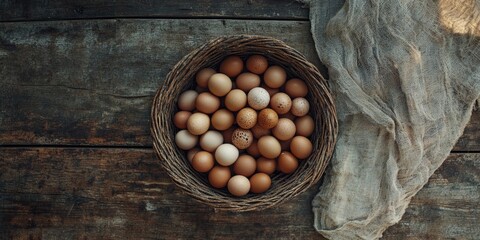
x,y
182,77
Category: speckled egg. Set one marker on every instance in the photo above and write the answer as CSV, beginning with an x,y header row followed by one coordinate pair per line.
x,y
246,118
242,138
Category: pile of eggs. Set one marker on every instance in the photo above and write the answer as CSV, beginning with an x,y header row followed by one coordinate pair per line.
x,y
243,123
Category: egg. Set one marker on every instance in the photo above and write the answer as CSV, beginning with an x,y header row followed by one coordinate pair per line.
x,y
218,177
219,84
269,147
281,103
260,182
242,138
247,81
258,98
186,100
284,130
227,134
275,76
301,147
192,153
238,185
198,123
300,107
202,77
246,118
231,66
257,64
305,125
210,140
245,165
287,163
207,103
296,88
180,119
271,91
266,165
226,154
235,100
203,161
259,131
267,118
185,140
222,119
253,149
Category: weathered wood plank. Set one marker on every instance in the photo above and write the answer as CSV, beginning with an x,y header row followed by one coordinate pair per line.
x,y
92,82
470,140
107,193
25,10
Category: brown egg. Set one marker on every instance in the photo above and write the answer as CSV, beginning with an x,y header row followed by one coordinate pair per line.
x,y
203,161
260,182
207,103
301,147
219,84
269,147
246,118
219,176
253,149
300,107
271,91
259,131
236,100
198,123
192,153
247,81
288,115
180,119
284,130
227,134
222,119
231,66
186,100
245,165
267,118
266,165
257,64
275,76
238,185
305,125
285,144
281,103
242,138
202,77
287,163
296,88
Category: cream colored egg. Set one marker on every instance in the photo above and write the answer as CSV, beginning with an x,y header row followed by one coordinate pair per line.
x,y
185,140
300,107
210,140
198,123
226,154
238,185
258,98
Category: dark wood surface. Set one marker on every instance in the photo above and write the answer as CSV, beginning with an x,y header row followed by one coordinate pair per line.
x,y
75,146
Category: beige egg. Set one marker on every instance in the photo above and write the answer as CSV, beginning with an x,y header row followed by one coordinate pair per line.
x,y
219,84
296,88
281,103
267,118
246,118
300,107
226,154
269,147
238,185
275,76
258,98
185,140
257,64
242,138
202,77
247,81
284,130
301,147
235,100
305,125
222,119
180,119
207,103
198,123
231,66
210,140
186,100
259,131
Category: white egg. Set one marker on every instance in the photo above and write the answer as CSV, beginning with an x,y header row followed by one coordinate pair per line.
x,y
210,140
185,140
226,154
258,98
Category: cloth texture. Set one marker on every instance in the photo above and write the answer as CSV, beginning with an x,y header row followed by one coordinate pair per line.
x,y
405,75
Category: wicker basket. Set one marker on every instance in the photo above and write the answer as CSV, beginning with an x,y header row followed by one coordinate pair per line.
x,y
181,78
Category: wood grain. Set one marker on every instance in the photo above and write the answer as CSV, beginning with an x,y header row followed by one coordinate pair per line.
x,y
109,192
26,10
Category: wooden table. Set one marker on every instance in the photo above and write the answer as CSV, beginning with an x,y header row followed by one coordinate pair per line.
x,y
76,159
